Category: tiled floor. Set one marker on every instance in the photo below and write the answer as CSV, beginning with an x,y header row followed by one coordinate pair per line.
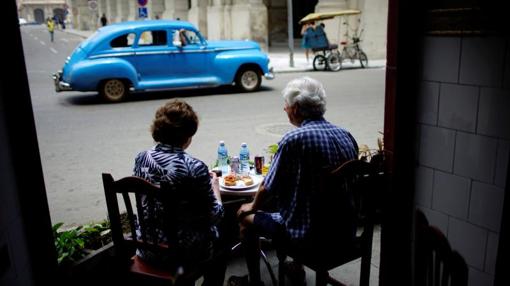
x,y
348,273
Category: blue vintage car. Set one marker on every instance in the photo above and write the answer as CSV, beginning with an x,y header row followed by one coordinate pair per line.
x,y
158,55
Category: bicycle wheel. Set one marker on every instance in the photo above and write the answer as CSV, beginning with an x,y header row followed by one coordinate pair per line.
x,y
334,62
363,59
319,63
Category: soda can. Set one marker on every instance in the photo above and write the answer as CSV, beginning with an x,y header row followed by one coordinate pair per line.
x,y
259,163
234,164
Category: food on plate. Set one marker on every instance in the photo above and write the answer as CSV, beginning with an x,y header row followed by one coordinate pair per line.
x,y
230,180
248,181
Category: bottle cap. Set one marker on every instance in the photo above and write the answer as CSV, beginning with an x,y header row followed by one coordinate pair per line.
x,y
244,144
222,142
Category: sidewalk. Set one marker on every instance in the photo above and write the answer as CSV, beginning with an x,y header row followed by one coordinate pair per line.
x,y
279,55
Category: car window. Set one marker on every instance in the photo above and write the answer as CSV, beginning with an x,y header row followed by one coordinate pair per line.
x,y
123,41
187,37
153,38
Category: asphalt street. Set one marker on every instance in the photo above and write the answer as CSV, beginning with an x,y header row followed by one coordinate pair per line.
x,y
80,136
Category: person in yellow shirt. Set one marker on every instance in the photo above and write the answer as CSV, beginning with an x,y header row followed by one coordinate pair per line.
x,y
51,27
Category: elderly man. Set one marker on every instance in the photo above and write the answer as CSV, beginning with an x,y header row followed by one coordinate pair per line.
x,y
303,156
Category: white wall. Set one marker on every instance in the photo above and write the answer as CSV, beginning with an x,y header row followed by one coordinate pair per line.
x,y
464,145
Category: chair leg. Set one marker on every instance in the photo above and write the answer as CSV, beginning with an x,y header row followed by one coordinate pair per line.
x,y
269,269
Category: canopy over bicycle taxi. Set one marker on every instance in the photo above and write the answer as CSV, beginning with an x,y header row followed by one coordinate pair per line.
x,y
328,57
312,17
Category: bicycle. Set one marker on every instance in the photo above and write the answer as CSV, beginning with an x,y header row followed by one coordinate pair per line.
x,y
353,51
327,56
330,59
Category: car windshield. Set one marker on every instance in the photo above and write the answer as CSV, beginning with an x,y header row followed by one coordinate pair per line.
x,y
188,37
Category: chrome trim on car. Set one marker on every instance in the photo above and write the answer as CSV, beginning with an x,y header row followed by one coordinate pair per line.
x,y
153,53
60,85
112,55
179,51
232,49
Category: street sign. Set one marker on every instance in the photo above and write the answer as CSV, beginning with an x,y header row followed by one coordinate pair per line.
x,y
142,12
142,2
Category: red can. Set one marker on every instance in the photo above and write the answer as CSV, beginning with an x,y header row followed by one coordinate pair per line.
x,y
259,162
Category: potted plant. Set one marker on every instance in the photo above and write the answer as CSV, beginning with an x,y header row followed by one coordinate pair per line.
x,y
83,249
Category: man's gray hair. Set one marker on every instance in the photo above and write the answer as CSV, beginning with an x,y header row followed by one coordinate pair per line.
x,y
309,94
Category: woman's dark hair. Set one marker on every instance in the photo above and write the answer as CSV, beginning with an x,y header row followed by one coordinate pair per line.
x,y
174,123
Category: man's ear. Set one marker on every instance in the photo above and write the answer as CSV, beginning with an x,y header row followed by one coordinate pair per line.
x,y
295,109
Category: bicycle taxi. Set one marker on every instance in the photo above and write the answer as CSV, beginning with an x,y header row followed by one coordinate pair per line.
x,y
327,55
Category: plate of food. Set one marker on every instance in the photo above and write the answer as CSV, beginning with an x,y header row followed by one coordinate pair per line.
x,y
239,182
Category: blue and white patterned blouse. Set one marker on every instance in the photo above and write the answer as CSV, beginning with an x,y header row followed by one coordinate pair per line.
x,y
199,215
303,153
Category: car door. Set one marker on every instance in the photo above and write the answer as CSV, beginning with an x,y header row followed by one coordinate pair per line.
x,y
189,58
152,49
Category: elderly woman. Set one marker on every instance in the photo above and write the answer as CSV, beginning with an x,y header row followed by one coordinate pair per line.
x,y
174,125
294,176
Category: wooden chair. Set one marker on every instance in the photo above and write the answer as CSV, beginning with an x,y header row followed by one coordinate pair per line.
x,y
436,264
126,241
343,205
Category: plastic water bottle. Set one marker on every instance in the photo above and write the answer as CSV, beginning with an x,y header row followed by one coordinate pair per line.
x,y
244,159
223,158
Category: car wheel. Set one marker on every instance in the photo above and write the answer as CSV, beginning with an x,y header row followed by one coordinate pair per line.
x,y
113,90
248,80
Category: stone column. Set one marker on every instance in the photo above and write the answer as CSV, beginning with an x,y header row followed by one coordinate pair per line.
x,y
113,15
131,9
215,20
124,11
156,8
83,17
198,15
249,21
176,9
118,9
101,9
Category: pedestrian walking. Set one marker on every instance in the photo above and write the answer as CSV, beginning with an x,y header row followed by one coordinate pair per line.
x,y
104,21
51,27
307,32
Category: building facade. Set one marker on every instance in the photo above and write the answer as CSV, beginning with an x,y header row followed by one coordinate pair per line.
x,y
39,10
264,21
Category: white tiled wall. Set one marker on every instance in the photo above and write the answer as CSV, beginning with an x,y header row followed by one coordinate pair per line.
x,y
464,145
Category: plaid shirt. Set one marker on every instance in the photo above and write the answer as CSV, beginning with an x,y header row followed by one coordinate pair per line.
x,y
302,154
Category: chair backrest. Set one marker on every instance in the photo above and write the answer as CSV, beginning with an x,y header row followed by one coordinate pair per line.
x,y
436,264
343,227
346,198
123,227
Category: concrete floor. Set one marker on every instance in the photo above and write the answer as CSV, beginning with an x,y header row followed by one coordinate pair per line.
x,y
347,274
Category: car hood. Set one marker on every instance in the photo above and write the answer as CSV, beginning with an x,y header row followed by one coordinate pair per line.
x,y
233,45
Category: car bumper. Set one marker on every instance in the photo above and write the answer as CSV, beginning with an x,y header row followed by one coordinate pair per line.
x,y
270,74
59,84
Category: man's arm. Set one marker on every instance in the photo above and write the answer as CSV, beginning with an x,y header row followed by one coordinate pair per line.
x,y
249,208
